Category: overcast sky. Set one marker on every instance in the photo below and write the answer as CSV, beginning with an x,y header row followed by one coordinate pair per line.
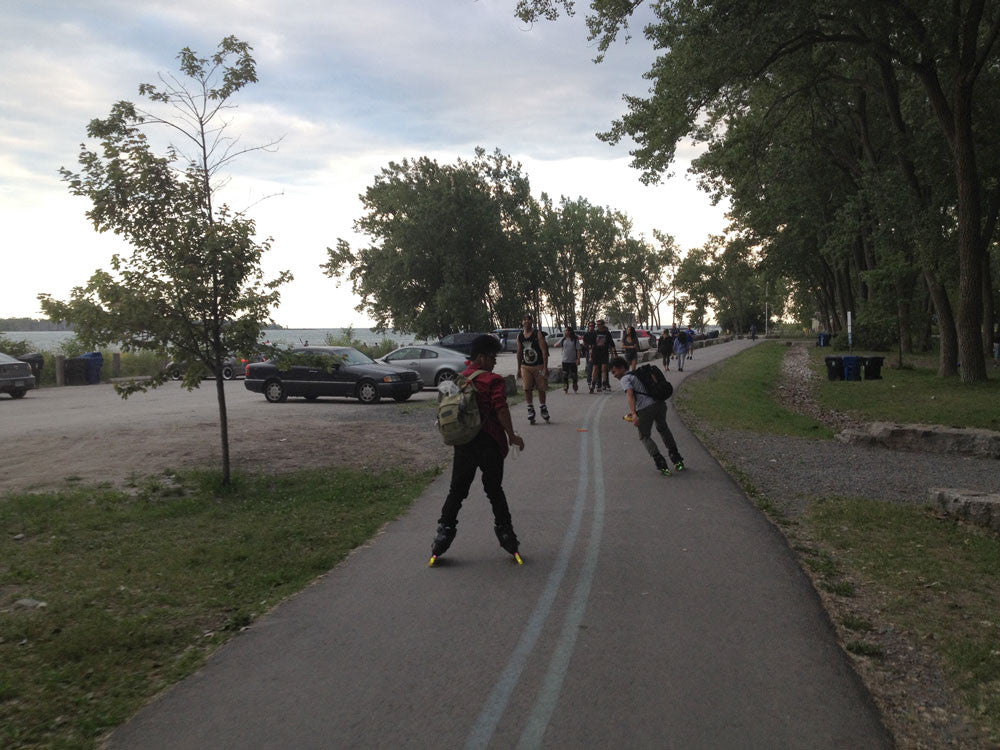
x,y
348,86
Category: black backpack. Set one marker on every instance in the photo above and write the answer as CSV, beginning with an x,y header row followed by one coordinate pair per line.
x,y
654,382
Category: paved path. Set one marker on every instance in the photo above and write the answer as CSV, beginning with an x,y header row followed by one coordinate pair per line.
x,y
650,612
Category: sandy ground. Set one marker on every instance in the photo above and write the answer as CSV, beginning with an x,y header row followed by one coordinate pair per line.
x,y
89,434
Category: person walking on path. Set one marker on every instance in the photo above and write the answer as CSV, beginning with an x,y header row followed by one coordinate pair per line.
x,y
601,353
589,339
680,349
486,452
571,346
689,337
665,347
630,347
644,412
533,366
753,331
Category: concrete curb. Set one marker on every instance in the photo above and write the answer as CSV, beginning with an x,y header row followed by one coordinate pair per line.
x,y
921,437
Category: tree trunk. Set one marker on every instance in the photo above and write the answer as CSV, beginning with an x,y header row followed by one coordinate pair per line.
x,y
988,311
220,390
948,363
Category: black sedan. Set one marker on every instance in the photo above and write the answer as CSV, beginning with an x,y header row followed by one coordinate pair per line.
x,y
15,376
314,371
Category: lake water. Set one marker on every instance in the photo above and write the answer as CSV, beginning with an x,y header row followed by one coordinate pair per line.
x,y
51,341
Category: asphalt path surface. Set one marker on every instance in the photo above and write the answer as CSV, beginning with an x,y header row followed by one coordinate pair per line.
x,y
651,611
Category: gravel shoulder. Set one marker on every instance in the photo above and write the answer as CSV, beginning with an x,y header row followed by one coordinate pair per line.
x,y
908,683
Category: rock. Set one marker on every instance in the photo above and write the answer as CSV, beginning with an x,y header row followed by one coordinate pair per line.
x,y
29,604
922,437
511,383
18,537
980,508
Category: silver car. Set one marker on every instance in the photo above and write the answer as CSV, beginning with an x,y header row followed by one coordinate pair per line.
x,y
15,376
432,363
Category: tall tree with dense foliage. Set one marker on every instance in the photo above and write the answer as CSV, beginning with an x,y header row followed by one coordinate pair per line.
x,y
936,75
192,287
450,246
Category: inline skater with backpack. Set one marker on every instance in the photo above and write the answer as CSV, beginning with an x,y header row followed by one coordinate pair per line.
x,y
482,400
647,391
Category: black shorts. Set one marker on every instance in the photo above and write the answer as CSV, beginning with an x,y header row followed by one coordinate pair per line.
x,y
631,355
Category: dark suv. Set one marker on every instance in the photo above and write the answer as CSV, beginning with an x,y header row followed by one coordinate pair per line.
x,y
461,342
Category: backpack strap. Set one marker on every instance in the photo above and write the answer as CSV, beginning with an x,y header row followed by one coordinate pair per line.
x,y
473,375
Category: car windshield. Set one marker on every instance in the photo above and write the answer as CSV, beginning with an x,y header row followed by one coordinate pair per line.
x,y
354,357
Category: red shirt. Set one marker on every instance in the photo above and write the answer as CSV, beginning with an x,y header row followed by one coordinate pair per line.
x,y
491,395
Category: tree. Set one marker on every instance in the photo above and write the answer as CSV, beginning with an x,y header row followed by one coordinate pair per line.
x,y
450,244
192,287
934,67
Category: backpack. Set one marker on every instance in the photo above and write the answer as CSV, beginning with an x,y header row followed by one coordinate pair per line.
x,y
458,416
654,382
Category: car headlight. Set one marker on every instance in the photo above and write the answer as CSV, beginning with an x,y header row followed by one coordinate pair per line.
x,y
391,379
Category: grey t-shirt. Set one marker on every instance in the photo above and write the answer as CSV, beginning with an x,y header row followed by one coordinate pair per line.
x,y
569,350
642,399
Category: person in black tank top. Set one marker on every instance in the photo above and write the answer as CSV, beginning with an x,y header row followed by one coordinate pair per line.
x,y
533,366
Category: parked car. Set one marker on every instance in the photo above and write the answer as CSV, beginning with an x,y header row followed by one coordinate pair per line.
x,y
616,334
432,363
462,342
508,338
232,367
15,376
314,371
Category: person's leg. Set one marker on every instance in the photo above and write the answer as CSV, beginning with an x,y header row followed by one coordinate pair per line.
x,y
490,462
645,422
528,379
463,471
541,378
595,381
604,377
574,373
660,417
565,372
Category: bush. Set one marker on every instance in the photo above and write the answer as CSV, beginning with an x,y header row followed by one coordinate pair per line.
x,y
346,338
870,337
14,348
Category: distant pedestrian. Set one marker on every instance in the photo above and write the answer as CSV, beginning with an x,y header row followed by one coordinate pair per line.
x,y
680,349
689,335
645,412
589,339
630,346
571,348
665,347
486,452
601,353
753,331
533,366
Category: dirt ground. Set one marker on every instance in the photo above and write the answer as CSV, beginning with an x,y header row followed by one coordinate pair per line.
x,y
56,436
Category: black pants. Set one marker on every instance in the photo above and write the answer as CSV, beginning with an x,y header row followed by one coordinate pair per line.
x,y
484,454
569,375
656,415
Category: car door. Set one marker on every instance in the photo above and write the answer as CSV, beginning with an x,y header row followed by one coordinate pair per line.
x,y
411,358
299,377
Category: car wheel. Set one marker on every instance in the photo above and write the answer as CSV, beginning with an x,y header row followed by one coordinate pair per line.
x,y
176,374
444,375
274,391
19,393
312,397
402,398
367,392
228,373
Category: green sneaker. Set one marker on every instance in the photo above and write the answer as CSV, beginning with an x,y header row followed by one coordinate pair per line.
x,y
664,471
679,466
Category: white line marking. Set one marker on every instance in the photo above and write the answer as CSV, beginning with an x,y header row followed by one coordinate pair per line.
x,y
486,723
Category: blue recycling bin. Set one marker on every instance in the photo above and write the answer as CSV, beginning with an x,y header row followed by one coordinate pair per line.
x,y
823,339
852,368
94,361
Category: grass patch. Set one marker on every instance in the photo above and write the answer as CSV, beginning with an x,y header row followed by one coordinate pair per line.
x,y
939,579
140,588
916,395
862,648
737,394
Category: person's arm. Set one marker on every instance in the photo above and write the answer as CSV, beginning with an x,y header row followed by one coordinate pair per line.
x,y
499,399
520,349
545,351
630,395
